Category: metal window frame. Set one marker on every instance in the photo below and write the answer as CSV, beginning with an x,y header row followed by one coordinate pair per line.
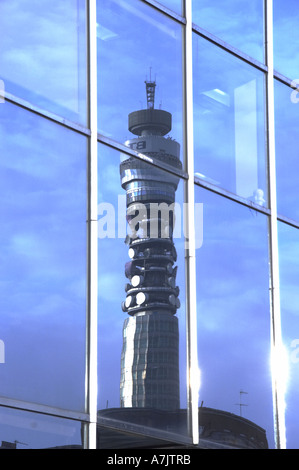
x,y
228,48
160,7
90,434
189,221
276,336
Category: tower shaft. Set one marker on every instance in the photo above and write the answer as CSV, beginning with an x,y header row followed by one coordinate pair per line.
x,y
150,353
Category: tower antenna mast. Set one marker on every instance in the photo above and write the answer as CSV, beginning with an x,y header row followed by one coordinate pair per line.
x,y
150,91
241,404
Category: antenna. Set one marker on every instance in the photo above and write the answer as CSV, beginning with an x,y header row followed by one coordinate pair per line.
x,y
150,91
240,404
19,442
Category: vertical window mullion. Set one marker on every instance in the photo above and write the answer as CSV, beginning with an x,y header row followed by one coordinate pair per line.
x,y
276,337
92,255
191,314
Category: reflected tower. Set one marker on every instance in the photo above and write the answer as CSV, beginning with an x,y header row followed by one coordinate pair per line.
x,y
150,352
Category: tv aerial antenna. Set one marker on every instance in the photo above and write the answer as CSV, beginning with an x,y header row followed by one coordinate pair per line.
x,y
241,404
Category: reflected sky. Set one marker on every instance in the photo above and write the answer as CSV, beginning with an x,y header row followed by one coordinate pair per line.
x,y
234,311
155,45
285,35
240,23
43,54
286,139
288,239
43,213
174,5
229,122
35,431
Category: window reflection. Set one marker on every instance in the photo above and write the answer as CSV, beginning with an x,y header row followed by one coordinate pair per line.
x,y
141,297
229,124
289,274
238,22
152,51
24,430
287,166
174,5
43,54
234,312
43,213
286,41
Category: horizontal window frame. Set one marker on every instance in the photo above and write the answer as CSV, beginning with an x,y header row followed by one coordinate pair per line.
x,y
231,196
228,48
140,156
28,106
44,409
167,11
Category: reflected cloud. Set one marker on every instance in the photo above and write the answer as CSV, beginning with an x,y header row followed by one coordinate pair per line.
x,y
239,23
41,60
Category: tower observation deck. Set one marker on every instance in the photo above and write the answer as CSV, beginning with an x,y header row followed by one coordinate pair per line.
x,y
150,352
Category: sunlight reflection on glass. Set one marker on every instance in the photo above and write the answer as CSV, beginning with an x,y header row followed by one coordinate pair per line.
x,y
280,377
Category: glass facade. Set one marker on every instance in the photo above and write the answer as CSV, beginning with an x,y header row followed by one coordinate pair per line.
x,y
149,268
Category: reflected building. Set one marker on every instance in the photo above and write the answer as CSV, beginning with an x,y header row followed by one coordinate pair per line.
x,y
150,352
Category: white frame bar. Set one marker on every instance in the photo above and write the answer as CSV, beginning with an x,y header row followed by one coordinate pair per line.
x,y
278,385
189,221
90,437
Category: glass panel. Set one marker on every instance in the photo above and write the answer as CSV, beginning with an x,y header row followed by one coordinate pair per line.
x,y
234,323
229,122
286,40
24,430
238,22
136,43
288,238
42,268
142,379
175,5
43,54
287,165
